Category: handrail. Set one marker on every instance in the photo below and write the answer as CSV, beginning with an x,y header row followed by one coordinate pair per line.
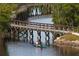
x,y
43,25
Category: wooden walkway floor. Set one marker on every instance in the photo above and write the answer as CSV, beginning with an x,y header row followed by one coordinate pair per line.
x,y
37,26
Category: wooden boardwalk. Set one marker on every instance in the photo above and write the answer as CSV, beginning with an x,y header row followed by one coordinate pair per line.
x,y
37,26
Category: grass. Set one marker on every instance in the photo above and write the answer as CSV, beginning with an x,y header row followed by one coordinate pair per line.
x,y
70,37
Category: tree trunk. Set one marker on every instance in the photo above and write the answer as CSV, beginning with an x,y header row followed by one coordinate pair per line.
x,y
2,45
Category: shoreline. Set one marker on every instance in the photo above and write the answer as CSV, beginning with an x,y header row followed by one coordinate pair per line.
x,y
63,42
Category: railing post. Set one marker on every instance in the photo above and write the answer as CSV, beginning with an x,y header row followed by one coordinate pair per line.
x,y
31,36
18,33
39,38
47,38
14,35
26,32
53,37
11,34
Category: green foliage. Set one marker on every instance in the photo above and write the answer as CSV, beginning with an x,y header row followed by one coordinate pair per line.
x,y
5,13
45,8
70,37
66,14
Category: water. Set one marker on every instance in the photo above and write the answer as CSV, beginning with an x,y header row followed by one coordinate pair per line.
x,y
21,48
42,20
26,49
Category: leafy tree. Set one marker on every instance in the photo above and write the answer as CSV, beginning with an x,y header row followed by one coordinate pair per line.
x,y
66,14
5,13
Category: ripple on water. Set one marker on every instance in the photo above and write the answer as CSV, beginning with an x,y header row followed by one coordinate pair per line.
x,y
25,49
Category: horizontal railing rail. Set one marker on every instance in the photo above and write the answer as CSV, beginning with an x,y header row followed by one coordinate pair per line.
x,y
41,26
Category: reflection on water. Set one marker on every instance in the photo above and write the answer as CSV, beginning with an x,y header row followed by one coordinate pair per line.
x,y
67,51
25,49
42,19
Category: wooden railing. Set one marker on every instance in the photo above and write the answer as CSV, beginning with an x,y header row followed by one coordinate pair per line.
x,y
40,26
25,23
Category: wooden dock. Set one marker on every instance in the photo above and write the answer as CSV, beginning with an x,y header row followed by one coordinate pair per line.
x,y
37,26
